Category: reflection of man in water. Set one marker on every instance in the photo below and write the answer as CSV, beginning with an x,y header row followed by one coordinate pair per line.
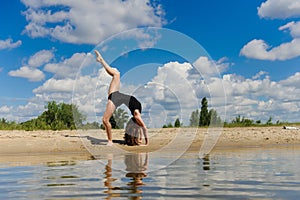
x,y
136,166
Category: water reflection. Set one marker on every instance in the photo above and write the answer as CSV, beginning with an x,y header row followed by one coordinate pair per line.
x,y
248,174
60,163
136,167
206,162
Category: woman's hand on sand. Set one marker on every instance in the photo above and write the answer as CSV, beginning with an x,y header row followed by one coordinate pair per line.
x,y
143,145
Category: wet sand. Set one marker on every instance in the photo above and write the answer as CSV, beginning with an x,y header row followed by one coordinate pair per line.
x,y
42,146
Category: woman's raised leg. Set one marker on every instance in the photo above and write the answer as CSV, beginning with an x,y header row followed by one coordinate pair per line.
x,y
115,82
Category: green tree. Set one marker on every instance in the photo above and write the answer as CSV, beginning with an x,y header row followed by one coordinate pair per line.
x,y
3,123
214,119
242,121
118,119
56,117
195,117
269,122
177,123
169,125
204,116
247,122
237,120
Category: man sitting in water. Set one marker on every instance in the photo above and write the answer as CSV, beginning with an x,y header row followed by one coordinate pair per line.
x,y
115,99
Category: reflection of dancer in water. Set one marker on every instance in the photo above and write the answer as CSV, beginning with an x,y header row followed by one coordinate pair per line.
x,y
115,99
136,166
108,178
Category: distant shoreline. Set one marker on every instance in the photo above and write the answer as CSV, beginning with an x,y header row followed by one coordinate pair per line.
x,y
73,143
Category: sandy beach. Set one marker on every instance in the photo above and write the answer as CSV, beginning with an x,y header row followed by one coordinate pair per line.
x,y
41,146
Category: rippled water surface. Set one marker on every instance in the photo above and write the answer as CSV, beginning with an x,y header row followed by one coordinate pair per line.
x,y
272,173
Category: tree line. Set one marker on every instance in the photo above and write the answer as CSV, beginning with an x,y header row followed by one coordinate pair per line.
x,y
59,116
206,117
203,118
62,116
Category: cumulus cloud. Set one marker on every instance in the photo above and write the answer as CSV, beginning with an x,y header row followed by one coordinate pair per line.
x,y
209,68
259,49
9,44
88,21
293,27
259,99
40,58
292,81
30,70
279,9
5,109
259,74
54,85
69,67
31,74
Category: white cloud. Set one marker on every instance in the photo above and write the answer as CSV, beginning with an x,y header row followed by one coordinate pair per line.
x,y
259,74
9,44
30,70
259,49
179,87
292,81
69,67
282,9
89,92
279,9
259,99
40,58
286,26
31,74
209,68
5,109
32,109
53,85
294,28
88,21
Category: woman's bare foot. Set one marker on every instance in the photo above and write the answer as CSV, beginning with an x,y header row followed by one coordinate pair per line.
x,y
109,143
99,57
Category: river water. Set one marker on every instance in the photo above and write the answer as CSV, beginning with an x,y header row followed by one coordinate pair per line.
x,y
270,173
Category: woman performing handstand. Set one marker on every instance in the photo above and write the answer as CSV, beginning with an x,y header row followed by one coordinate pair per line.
x,y
115,99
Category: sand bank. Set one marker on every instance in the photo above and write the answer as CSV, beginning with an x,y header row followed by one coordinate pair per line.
x,y
16,145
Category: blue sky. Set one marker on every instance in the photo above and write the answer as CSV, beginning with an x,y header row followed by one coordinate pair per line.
x,y
255,45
